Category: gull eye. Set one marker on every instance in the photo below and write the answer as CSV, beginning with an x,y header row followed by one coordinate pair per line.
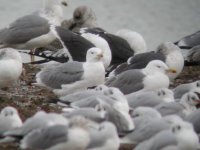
x,y
101,128
159,94
92,52
163,92
198,84
193,98
159,66
111,92
178,127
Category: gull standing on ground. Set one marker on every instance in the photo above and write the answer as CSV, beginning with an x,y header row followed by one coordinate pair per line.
x,y
34,30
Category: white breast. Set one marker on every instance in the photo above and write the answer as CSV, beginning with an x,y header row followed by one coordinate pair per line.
x,y
10,70
175,60
156,81
94,73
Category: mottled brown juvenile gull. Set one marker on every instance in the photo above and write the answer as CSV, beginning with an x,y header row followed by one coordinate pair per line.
x,y
33,31
166,52
10,67
152,77
83,16
74,76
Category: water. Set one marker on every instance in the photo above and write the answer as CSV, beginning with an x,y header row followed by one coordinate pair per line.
x,y
157,20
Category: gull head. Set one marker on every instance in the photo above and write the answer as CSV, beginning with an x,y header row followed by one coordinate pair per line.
x,y
167,95
10,54
191,98
185,135
55,2
9,112
101,88
167,48
158,66
94,55
83,14
145,111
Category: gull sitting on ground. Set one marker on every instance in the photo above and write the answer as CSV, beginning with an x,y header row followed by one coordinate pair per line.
x,y
74,76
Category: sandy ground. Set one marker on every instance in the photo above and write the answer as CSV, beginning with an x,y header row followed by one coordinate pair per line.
x,y
29,99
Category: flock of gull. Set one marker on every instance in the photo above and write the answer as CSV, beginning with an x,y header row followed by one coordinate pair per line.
x,y
111,88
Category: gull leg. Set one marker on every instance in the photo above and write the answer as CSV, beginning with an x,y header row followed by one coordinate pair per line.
x,y
32,56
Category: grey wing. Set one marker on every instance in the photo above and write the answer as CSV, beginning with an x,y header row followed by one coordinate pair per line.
x,y
88,113
194,54
163,139
97,139
87,102
128,81
148,130
148,99
194,118
64,74
140,61
169,108
78,96
190,40
24,29
158,142
180,90
46,137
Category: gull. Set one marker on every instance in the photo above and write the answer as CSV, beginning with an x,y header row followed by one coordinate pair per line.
x,y
74,76
80,95
105,137
83,16
183,108
152,77
10,67
34,30
40,120
181,89
9,119
180,134
166,52
150,98
73,137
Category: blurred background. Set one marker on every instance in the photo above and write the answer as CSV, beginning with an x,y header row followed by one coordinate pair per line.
x,y
156,20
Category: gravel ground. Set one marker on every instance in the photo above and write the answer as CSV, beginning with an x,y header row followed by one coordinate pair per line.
x,y
29,99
